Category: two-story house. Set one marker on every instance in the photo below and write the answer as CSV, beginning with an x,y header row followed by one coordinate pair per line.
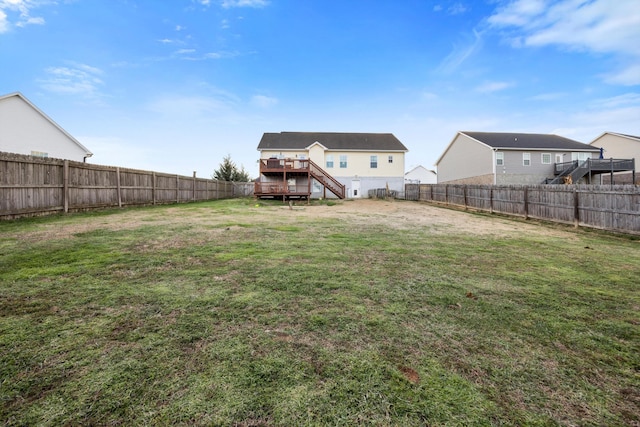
x,y
24,129
307,164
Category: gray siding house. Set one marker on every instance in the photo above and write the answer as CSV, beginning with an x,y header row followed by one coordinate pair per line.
x,y
501,158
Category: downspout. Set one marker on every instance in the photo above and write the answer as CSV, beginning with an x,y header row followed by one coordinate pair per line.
x,y
495,177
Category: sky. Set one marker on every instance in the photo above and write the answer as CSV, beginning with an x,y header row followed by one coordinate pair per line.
x,y
176,85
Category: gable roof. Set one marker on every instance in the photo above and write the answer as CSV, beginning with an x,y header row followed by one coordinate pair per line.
x,y
420,167
331,140
528,141
631,137
29,103
521,141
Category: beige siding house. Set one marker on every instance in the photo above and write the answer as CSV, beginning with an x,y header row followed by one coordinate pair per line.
x,y
488,158
358,161
619,146
24,129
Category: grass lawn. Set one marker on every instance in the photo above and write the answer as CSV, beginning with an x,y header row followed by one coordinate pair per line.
x,y
241,313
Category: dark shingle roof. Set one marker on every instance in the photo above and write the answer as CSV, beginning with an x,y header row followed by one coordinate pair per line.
x,y
528,141
331,140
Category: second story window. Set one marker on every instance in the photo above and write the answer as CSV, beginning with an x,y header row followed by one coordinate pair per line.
x,y
329,161
526,159
343,162
546,158
390,159
374,162
499,159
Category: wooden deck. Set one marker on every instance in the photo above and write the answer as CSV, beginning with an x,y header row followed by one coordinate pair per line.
x,y
278,172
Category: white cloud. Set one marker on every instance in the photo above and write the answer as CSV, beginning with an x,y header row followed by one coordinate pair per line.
x,y
79,79
491,87
193,107
19,12
552,96
628,76
598,26
4,23
518,13
244,3
262,101
460,53
457,9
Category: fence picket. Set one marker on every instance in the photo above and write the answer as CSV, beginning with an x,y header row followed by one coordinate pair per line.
x,y
614,208
35,186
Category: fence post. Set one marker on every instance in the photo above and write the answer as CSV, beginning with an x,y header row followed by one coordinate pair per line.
x,y
119,191
446,194
491,199
576,208
193,198
526,202
177,188
465,196
153,187
65,186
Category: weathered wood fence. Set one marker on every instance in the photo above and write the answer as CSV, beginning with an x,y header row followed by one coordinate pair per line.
x,y
614,208
32,186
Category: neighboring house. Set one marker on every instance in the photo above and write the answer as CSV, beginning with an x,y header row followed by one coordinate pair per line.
x,y
420,175
619,146
357,161
24,129
509,158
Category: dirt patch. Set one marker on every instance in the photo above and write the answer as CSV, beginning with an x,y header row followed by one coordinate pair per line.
x,y
399,214
395,214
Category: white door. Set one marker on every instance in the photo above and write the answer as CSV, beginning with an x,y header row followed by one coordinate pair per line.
x,y
355,188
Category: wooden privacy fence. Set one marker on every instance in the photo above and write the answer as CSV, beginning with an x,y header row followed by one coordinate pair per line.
x,y
614,208
34,186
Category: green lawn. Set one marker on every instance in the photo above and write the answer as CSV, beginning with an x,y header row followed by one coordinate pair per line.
x,y
250,314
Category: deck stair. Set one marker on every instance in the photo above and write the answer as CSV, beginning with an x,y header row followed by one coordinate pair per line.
x,y
329,182
572,171
283,169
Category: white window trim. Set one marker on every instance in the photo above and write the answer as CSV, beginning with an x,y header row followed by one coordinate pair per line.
x,y
526,157
542,158
328,160
499,159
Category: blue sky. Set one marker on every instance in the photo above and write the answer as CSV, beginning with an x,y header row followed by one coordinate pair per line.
x,y
175,85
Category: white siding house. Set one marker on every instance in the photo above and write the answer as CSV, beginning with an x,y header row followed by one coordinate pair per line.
x,y
24,129
420,175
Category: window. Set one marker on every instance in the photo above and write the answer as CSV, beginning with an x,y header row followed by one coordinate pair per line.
x,y
526,159
39,154
374,162
581,157
499,159
546,158
329,161
390,159
343,162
